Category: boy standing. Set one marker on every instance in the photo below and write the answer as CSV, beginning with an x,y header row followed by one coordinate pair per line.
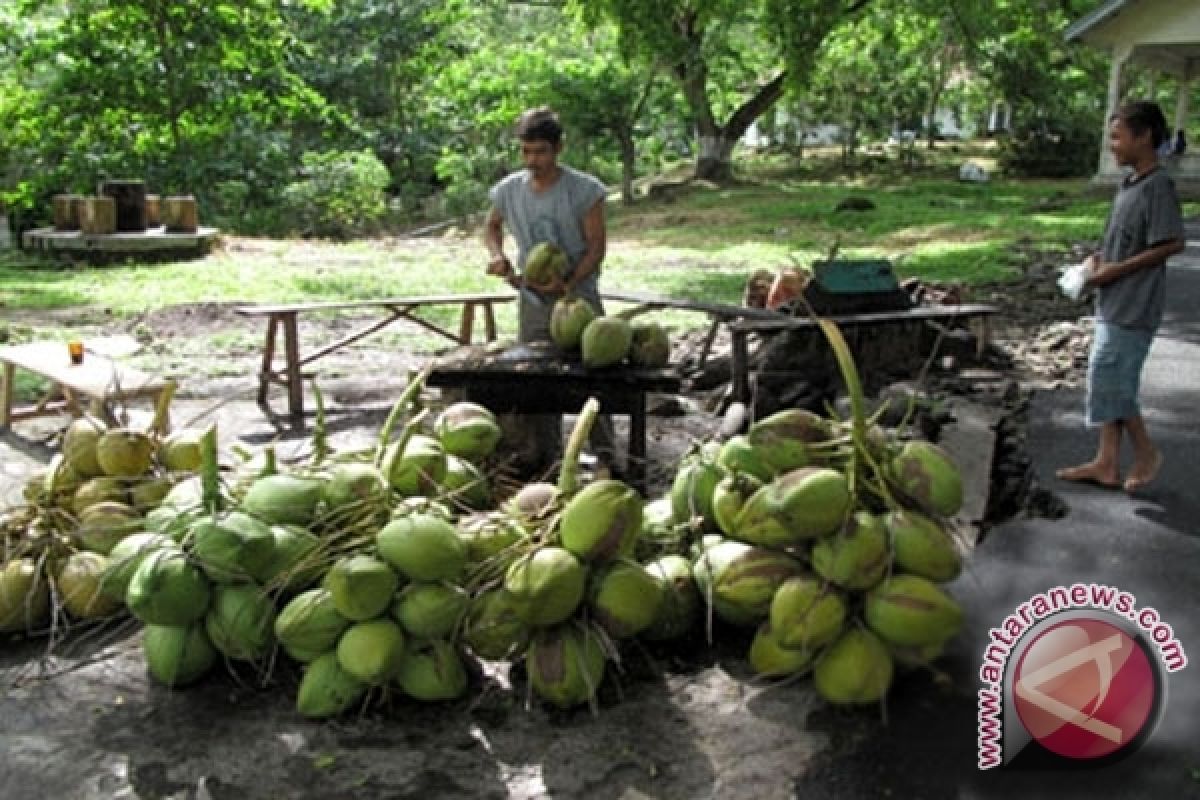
x,y
1144,229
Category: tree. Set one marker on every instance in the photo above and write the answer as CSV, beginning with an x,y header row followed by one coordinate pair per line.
x,y
731,59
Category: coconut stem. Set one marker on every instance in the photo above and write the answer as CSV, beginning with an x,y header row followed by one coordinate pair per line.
x,y
320,433
210,476
568,475
162,410
407,398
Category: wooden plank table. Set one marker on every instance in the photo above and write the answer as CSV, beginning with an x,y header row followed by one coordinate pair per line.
x,y
284,317
535,379
741,330
99,378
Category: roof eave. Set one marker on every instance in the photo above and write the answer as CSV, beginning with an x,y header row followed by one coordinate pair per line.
x,y
1080,28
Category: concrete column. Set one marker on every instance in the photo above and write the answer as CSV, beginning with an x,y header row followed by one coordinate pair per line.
x,y
1120,55
1181,104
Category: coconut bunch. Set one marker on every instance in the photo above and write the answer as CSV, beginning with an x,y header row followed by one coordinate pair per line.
x,y
96,492
605,341
830,538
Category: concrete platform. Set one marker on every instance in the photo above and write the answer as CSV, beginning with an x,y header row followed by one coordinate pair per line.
x,y
154,242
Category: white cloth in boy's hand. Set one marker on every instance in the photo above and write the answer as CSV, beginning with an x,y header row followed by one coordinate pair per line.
x,y
1073,280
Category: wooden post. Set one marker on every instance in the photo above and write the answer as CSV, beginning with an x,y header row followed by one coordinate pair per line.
x,y
153,211
66,212
99,216
466,325
489,320
268,363
130,197
740,366
179,214
637,442
295,384
6,396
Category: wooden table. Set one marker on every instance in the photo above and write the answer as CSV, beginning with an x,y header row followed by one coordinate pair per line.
x,y
284,317
740,330
536,380
98,378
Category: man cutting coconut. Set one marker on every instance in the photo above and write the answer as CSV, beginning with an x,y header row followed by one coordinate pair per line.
x,y
549,203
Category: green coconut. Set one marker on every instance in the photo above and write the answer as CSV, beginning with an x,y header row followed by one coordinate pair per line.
x,y
422,547
171,523
99,490
920,546
494,630
915,656
680,607
925,474
624,598
466,484
730,496
362,586
125,453
147,493
467,430
533,503
187,495
806,503
805,614
603,521
909,610
738,455
566,665
241,622
770,658
125,557
104,524
488,535
432,670
167,589
605,342
418,469
649,345
282,499
182,450
296,561
371,650
407,506
24,596
546,585
430,610
784,440
232,548
692,492
568,319
739,580
177,655
79,446
856,669
857,557
310,625
326,689
544,262
60,483
78,582
355,492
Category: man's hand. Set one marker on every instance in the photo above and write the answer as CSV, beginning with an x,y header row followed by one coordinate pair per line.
x,y
500,266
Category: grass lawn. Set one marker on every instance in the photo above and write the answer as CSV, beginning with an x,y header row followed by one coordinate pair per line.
x,y
698,242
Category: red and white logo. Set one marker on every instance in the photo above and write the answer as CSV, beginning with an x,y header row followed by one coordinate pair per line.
x,y
1084,689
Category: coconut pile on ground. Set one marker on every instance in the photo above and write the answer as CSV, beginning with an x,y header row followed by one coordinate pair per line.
x,y
395,569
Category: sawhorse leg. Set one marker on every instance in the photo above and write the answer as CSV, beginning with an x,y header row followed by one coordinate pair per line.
x,y
295,380
6,396
268,363
637,443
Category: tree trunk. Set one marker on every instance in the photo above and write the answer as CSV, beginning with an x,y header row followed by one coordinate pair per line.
x,y
628,165
715,159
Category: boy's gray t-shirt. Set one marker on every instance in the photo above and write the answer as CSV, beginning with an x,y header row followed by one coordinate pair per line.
x,y
555,215
1145,213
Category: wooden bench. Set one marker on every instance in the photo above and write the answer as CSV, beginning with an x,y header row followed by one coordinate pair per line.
x,y
978,315
285,317
99,378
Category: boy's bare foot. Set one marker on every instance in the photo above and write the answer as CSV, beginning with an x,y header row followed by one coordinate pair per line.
x,y
1143,473
1093,473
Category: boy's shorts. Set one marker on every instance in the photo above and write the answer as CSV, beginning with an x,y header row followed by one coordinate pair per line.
x,y
1115,372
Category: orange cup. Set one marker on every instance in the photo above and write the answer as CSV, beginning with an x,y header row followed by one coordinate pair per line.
x,y
75,349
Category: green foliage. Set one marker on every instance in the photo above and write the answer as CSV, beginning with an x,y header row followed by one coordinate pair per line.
x,y
1039,151
341,194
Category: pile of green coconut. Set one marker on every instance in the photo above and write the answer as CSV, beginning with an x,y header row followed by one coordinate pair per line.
x,y
399,568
